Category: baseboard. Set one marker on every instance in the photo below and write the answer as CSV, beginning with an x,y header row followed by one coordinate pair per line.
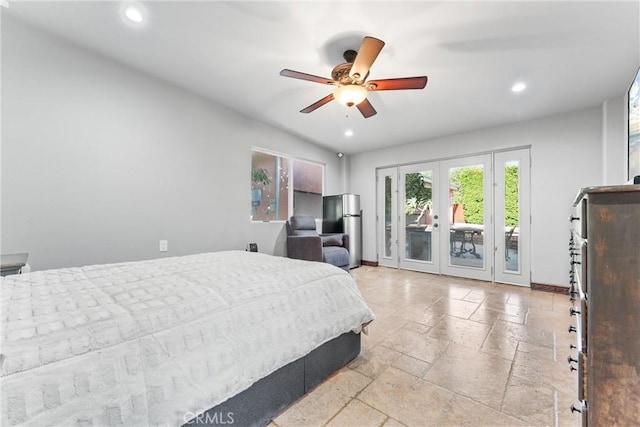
x,y
549,288
556,289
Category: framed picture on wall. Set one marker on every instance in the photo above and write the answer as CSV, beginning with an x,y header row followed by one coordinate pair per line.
x,y
634,127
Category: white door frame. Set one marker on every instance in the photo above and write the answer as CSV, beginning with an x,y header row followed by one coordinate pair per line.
x,y
515,268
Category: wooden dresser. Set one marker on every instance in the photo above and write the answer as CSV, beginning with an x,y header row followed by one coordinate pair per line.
x,y
605,290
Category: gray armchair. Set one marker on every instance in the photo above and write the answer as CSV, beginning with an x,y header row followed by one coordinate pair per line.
x,y
304,242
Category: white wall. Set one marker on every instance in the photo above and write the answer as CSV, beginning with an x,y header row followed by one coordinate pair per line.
x,y
566,155
99,161
615,166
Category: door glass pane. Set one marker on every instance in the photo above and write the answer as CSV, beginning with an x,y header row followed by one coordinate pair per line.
x,y
418,215
466,216
511,216
387,216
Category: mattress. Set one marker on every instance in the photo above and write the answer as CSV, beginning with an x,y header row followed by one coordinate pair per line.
x,y
155,342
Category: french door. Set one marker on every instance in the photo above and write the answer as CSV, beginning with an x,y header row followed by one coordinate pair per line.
x,y
466,217
387,216
512,217
409,230
419,220
466,239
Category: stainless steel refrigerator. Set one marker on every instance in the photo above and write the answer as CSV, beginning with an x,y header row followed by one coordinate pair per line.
x,y
341,214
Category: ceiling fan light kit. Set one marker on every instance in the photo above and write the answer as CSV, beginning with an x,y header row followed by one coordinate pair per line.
x,y
350,95
518,87
350,79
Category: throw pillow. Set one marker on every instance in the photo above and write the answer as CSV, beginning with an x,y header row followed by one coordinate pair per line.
x,y
332,240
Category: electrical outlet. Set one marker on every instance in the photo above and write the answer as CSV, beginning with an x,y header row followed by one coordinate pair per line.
x,y
163,246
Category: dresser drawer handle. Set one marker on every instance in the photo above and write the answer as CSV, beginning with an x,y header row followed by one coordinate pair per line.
x,y
572,329
574,409
573,311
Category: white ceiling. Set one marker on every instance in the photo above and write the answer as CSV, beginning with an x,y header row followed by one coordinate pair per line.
x,y
571,54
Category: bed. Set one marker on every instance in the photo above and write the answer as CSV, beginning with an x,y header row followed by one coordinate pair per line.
x,y
191,340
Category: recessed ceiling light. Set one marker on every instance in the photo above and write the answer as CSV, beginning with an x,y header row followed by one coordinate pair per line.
x,y
518,87
134,14
348,132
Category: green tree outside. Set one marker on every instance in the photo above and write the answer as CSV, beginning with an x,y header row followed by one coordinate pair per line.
x,y
511,195
468,186
469,192
417,191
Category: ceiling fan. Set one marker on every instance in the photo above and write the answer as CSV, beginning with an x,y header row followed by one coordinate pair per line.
x,y
350,79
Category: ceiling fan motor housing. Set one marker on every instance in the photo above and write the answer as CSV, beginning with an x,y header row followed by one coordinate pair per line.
x,y
341,74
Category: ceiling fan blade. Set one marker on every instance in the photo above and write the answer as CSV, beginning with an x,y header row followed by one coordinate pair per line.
x,y
318,104
366,109
368,52
305,76
397,84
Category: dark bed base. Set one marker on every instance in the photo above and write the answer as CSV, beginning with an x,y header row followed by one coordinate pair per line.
x,y
258,404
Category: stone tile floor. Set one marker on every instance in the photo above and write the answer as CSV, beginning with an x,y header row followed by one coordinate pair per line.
x,y
447,351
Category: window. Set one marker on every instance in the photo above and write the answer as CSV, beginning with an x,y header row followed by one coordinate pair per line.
x,y
280,185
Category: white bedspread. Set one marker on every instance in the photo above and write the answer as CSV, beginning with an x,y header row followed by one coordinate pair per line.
x,y
145,343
